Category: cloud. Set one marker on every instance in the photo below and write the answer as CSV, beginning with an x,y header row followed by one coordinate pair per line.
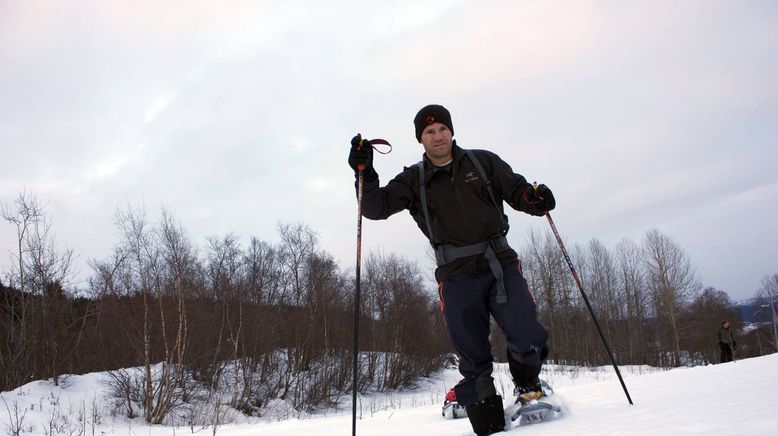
x,y
238,117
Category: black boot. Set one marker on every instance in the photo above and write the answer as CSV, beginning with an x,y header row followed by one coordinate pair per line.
x,y
487,416
524,374
525,377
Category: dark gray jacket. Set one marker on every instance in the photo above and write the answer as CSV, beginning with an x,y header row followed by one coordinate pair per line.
x,y
461,211
725,336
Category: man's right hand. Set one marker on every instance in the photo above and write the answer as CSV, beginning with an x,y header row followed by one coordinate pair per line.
x,y
361,154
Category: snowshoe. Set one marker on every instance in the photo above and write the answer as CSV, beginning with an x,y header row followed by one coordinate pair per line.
x,y
535,404
451,408
536,411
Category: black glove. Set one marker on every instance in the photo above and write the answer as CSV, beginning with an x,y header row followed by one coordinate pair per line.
x,y
361,153
734,345
539,200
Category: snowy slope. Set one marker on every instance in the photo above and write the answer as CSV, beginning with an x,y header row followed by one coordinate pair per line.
x,y
735,398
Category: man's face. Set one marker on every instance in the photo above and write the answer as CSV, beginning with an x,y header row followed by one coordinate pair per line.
x,y
726,325
436,139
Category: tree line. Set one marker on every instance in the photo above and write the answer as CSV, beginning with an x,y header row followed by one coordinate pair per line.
x,y
258,322
175,324
650,303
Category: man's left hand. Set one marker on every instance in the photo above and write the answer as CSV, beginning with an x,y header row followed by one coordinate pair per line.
x,y
540,200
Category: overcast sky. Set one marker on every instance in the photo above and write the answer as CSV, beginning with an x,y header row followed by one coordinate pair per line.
x,y
237,116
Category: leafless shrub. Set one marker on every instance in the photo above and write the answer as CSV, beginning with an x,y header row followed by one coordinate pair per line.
x,y
16,419
124,387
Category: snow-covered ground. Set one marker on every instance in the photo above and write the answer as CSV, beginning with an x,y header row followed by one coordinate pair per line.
x,y
737,398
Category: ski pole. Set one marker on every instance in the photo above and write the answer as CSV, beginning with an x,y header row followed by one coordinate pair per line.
x,y
588,305
360,188
360,182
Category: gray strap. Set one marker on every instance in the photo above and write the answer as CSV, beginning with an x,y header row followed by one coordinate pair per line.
x,y
480,169
496,268
446,253
423,199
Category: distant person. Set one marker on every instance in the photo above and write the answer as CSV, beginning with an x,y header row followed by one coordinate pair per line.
x,y
726,342
456,197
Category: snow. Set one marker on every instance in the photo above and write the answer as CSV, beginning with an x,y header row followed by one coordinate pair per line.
x,y
735,398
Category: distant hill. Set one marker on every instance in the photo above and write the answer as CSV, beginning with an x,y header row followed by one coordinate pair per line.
x,y
752,313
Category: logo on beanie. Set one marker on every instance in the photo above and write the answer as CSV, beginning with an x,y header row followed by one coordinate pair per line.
x,y
430,119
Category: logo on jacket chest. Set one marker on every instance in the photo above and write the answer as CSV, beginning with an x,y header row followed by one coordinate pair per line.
x,y
471,176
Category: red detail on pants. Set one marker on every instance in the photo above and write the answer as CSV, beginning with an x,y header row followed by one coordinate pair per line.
x,y
442,304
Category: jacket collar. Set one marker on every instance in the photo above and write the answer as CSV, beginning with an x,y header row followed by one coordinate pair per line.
x,y
456,153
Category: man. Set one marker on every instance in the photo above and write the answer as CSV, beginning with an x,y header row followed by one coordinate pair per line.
x,y
456,198
726,342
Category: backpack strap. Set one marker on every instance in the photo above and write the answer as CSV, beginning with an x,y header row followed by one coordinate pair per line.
x,y
480,169
423,200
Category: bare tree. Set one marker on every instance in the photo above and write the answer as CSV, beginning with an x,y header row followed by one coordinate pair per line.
x,y
672,281
44,262
542,265
298,242
25,213
633,286
262,270
157,265
325,288
606,299
141,276
47,270
16,356
768,294
263,277
227,279
38,321
179,261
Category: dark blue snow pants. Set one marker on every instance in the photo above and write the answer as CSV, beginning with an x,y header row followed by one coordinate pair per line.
x,y
467,300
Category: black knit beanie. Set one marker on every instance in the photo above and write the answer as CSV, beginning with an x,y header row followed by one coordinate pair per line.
x,y
431,114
